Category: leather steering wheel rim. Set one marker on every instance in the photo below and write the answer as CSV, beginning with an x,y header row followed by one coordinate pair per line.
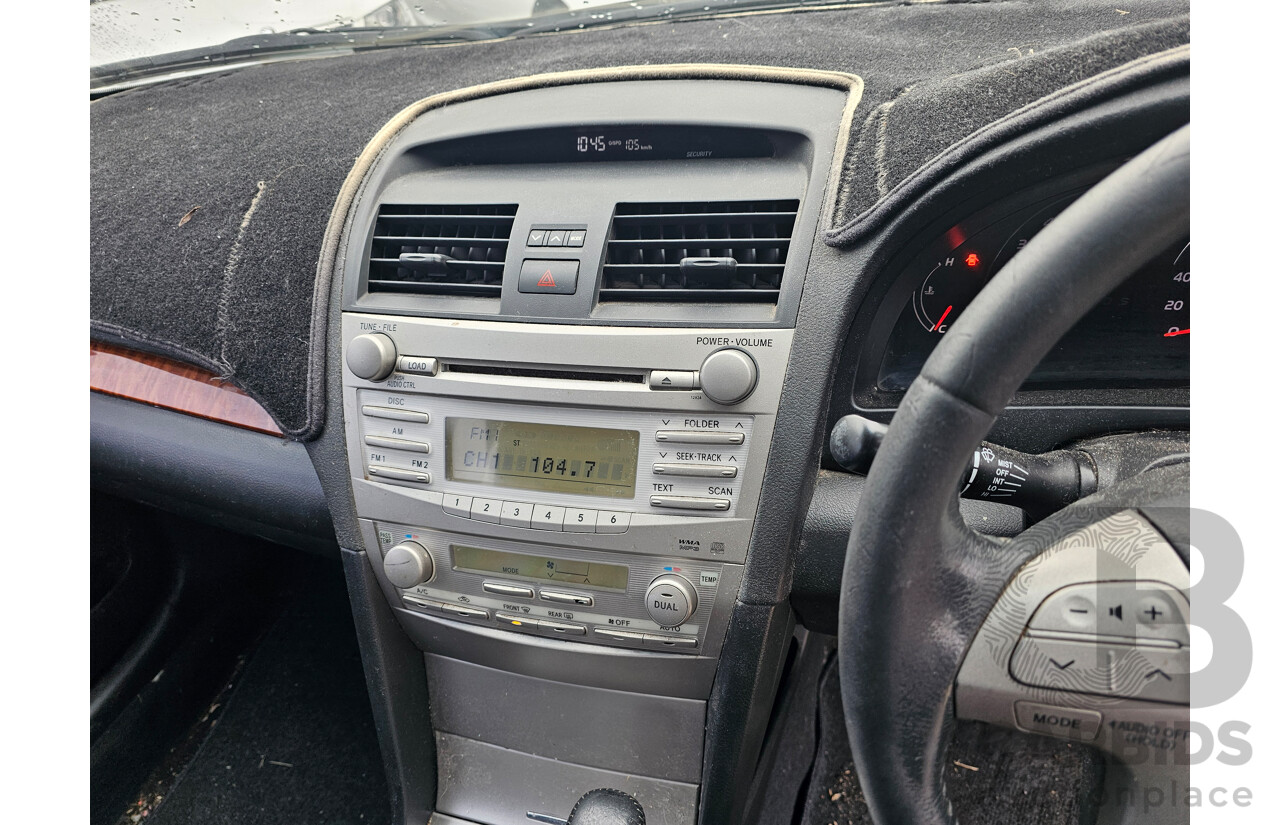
x,y
918,583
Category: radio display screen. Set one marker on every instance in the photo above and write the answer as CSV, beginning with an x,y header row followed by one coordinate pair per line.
x,y
539,568
551,458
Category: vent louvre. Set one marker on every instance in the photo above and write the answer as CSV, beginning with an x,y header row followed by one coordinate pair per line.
x,y
733,251
448,250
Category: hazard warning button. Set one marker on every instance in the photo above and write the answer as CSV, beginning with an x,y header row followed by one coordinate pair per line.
x,y
553,277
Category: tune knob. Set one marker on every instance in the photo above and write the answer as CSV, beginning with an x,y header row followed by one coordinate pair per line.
x,y
371,356
408,564
670,600
728,376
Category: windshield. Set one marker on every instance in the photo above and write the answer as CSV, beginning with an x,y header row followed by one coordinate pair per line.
x,y
131,30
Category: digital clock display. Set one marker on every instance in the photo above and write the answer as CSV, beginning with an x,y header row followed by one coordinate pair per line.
x,y
553,458
605,143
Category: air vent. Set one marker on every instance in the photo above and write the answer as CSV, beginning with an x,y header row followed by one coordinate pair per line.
x,y
698,252
440,250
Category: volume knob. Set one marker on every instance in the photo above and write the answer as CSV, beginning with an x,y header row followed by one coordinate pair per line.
x,y
371,356
728,376
408,564
670,600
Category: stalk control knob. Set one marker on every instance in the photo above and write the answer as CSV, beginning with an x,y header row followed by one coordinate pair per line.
x,y
371,356
670,600
408,564
728,376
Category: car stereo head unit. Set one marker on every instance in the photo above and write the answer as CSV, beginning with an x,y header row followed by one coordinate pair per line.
x,y
560,459
596,494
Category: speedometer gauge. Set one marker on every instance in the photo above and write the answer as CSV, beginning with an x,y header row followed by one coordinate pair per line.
x,y
1179,300
1136,336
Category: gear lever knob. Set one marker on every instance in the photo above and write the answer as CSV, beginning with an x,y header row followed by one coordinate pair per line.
x,y
606,806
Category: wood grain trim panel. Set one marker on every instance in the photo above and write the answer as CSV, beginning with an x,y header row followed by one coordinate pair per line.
x,y
173,385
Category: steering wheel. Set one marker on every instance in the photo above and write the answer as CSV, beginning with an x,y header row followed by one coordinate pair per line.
x,y
938,622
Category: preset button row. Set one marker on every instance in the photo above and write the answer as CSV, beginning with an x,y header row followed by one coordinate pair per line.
x,y
537,516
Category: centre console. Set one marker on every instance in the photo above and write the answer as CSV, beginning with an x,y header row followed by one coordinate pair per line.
x,y
568,318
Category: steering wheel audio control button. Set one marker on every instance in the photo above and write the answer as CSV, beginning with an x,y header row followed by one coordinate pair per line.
x,y
408,564
728,376
371,356
670,600
1145,611
1069,723
1158,674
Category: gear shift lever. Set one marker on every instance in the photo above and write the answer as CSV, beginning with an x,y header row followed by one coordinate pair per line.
x,y
603,806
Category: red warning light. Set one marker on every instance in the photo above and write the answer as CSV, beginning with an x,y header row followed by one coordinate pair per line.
x,y
971,259
547,279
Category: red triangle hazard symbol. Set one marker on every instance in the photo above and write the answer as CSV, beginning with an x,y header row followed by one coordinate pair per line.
x,y
546,279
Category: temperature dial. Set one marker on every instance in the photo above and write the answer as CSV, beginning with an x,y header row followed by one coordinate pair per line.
x,y
670,600
408,564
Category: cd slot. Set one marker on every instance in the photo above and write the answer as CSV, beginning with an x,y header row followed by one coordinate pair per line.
x,y
545,373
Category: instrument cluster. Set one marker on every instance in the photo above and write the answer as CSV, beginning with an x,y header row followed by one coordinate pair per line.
x,y
1137,338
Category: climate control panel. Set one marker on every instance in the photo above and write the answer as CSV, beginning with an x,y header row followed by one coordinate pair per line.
x,y
616,599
